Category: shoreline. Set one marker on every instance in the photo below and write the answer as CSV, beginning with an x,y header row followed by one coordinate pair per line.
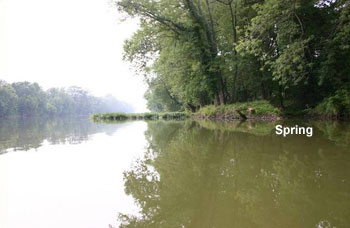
x,y
256,110
195,116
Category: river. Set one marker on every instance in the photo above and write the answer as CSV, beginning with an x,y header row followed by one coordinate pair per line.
x,y
73,173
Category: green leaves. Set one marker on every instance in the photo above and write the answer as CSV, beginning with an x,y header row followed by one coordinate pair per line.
x,y
207,52
8,99
27,99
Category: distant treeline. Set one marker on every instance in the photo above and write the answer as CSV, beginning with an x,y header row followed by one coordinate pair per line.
x,y
27,99
293,53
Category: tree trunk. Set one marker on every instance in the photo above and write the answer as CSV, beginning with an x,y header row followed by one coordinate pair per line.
x,y
208,59
233,14
280,97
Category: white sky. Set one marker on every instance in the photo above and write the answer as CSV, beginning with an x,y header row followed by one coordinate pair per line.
x,y
60,43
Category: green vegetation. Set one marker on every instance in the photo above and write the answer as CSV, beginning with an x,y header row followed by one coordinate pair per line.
x,y
294,53
335,106
253,109
250,110
138,116
28,99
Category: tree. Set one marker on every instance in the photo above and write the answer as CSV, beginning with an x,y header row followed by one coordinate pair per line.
x,y
293,53
184,24
8,99
29,99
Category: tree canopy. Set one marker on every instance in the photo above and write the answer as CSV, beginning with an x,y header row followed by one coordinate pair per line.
x,y
27,99
193,53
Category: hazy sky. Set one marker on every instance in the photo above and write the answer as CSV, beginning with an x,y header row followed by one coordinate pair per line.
x,y
59,43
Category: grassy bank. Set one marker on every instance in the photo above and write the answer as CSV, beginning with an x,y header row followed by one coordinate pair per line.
x,y
334,107
139,116
249,110
330,108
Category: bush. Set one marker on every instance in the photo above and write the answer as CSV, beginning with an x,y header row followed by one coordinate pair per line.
x,y
337,105
138,116
260,108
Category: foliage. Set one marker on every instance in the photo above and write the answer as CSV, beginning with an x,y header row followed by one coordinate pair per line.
x,y
8,98
139,116
337,105
257,107
27,99
159,98
293,53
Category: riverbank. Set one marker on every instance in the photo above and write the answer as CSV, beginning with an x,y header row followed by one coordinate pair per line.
x,y
255,110
263,110
259,110
139,116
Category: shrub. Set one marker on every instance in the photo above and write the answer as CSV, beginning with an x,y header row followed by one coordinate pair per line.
x,y
337,105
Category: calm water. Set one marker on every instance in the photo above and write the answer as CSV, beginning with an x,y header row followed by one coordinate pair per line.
x,y
73,173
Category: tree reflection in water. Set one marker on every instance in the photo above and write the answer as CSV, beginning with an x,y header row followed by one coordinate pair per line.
x,y
30,133
206,174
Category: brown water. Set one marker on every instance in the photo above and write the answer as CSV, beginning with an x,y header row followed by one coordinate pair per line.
x,y
173,174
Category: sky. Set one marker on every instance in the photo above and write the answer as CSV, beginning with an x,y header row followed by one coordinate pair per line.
x,y
69,42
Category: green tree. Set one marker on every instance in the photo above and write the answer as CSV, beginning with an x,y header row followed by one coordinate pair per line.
x,y
189,26
293,53
8,99
29,99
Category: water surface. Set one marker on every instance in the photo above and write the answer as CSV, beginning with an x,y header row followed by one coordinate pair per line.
x,y
66,172
75,173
